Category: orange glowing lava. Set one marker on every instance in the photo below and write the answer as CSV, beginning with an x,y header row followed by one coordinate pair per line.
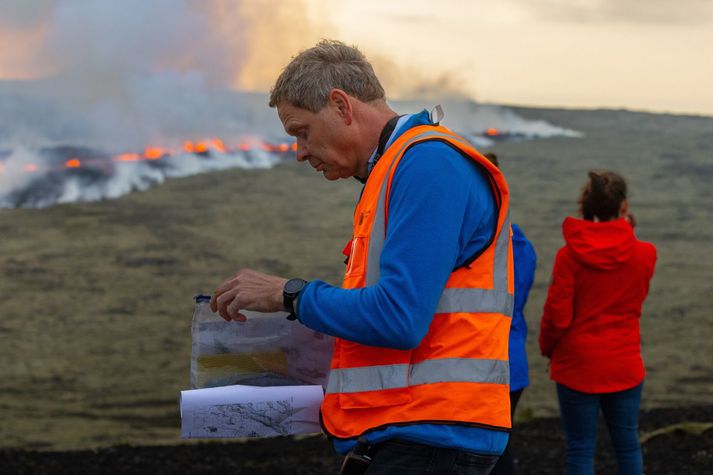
x,y
154,153
158,153
127,157
219,145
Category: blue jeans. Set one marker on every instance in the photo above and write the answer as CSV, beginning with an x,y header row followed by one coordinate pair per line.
x,y
401,457
579,417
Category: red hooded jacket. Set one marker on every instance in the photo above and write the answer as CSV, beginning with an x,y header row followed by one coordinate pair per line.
x,y
590,325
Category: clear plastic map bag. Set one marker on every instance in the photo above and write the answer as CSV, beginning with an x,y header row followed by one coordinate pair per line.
x,y
266,350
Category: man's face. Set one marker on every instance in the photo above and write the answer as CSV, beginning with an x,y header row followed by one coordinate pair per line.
x,y
323,139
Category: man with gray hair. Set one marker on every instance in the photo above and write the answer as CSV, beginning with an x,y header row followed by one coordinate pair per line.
x,y
419,376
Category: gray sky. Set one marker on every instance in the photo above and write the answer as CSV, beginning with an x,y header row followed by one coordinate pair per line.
x,y
650,55
639,54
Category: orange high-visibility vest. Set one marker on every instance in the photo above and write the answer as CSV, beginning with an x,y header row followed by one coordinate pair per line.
x,y
459,373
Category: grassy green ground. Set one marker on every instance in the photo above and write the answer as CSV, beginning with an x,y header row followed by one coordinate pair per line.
x,y
96,298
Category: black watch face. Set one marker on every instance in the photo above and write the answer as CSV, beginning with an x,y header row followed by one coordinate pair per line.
x,y
294,286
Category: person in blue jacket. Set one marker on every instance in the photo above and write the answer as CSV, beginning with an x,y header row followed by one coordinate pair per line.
x,y
441,212
525,261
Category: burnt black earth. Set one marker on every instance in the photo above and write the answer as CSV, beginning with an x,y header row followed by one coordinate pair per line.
x,y
675,441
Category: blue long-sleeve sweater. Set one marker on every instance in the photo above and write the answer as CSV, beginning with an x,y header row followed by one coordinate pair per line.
x,y
441,212
525,261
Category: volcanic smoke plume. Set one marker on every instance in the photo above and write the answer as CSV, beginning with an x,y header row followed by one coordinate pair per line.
x,y
108,97
102,93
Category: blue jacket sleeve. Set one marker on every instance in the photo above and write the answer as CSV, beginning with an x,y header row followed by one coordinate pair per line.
x,y
525,260
441,211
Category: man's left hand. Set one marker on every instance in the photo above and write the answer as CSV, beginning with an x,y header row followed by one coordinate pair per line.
x,y
248,290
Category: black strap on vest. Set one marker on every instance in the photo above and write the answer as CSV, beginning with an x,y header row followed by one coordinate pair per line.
x,y
385,136
494,188
383,139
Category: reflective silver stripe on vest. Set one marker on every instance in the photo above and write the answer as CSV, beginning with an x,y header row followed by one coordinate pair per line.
x,y
377,235
460,370
444,370
497,300
367,378
476,300
378,232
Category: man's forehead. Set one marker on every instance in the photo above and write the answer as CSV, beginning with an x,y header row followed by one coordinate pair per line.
x,y
286,111
292,116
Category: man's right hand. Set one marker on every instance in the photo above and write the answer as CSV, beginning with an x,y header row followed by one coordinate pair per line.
x,y
248,290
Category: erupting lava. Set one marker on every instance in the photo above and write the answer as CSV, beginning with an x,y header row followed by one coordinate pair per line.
x,y
202,147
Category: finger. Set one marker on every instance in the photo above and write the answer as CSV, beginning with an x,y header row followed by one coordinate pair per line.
x,y
241,318
223,288
228,284
233,310
220,290
224,300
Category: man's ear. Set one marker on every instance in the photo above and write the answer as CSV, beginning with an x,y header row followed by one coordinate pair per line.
x,y
342,104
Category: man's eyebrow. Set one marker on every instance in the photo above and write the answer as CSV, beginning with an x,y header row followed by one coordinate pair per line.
x,y
294,129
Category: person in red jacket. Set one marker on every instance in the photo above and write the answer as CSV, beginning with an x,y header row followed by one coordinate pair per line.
x,y
590,324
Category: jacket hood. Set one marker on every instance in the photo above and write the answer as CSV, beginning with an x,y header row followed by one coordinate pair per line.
x,y
602,245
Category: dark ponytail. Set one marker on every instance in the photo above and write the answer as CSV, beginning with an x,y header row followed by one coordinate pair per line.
x,y
602,196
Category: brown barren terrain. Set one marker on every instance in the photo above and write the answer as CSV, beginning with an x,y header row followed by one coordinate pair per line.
x,y
96,297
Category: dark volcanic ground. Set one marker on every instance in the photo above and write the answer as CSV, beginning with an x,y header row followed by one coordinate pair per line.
x,y
96,300
675,441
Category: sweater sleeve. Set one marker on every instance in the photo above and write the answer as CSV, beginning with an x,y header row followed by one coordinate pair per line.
x,y
559,306
439,207
525,260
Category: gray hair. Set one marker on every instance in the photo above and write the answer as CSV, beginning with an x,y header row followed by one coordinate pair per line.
x,y
307,80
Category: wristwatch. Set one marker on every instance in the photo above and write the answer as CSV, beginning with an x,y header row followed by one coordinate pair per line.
x,y
290,292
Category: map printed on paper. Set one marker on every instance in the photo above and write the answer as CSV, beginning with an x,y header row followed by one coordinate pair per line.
x,y
248,411
252,419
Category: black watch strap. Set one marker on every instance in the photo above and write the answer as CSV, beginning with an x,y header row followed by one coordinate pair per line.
x,y
290,292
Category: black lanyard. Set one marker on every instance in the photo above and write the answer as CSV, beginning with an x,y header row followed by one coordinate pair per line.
x,y
383,140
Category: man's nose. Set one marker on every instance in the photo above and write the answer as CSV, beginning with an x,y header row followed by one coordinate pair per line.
x,y
301,152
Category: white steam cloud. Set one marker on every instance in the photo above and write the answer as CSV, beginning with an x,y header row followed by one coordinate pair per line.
x,y
116,77
124,76
130,72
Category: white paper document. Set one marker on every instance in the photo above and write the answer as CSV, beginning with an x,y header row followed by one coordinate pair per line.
x,y
250,411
